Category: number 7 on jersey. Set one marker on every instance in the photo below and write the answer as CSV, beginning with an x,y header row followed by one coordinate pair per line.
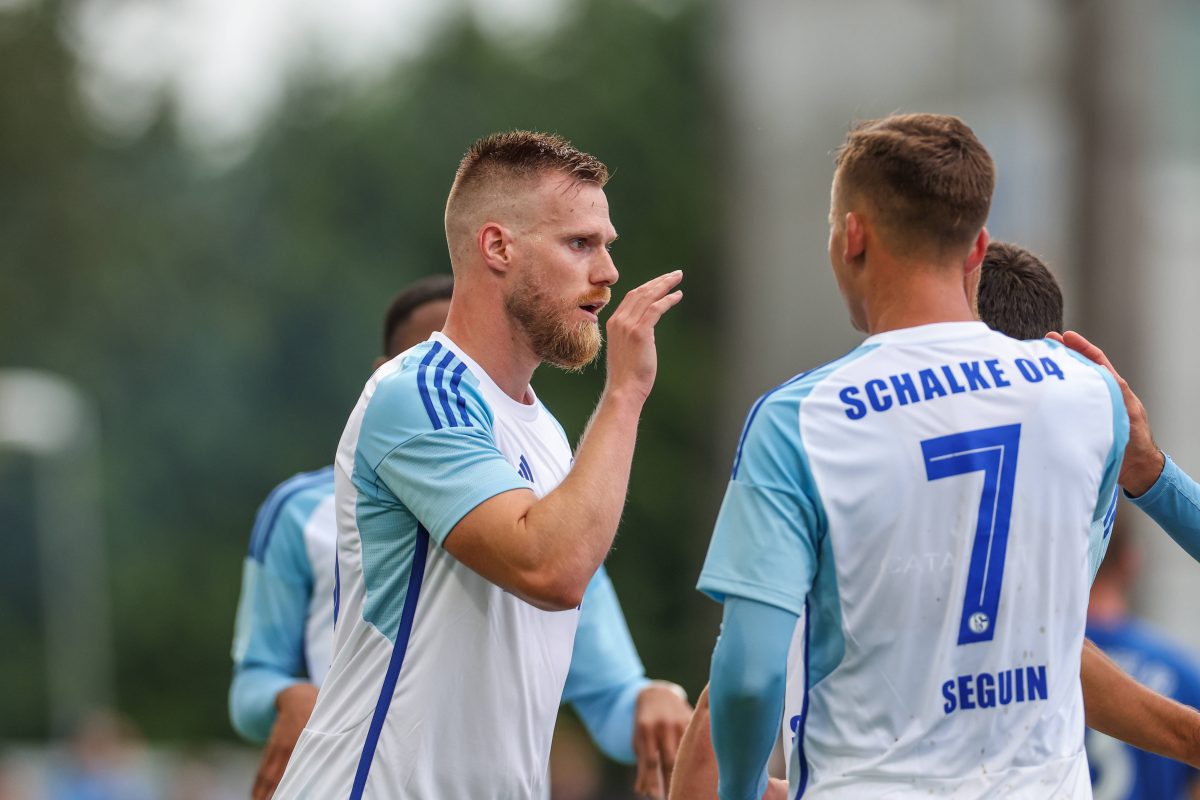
x,y
992,451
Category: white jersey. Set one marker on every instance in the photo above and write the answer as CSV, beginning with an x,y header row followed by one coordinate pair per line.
x,y
933,507
443,685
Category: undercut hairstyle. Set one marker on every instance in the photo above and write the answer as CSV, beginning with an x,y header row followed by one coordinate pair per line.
x,y
515,156
426,290
1018,294
927,177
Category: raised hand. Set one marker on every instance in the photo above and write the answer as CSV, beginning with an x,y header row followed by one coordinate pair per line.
x,y
632,356
1143,460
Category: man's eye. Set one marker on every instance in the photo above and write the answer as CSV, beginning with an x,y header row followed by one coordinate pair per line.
x,y
579,243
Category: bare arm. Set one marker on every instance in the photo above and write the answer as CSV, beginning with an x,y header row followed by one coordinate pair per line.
x,y
294,706
1117,705
546,550
696,765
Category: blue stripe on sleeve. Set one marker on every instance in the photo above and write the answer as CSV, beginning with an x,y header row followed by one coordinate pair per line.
x,y
461,401
337,585
424,388
798,744
268,515
438,374
415,577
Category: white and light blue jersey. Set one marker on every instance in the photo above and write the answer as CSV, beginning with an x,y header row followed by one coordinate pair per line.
x,y
442,684
284,628
285,623
932,507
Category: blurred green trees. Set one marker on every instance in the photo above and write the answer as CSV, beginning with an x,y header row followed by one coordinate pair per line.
x,y
225,322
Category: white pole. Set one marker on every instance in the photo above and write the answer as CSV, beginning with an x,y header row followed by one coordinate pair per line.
x,y
49,418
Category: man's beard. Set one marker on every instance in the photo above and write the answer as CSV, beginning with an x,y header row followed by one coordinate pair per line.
x,y
554,337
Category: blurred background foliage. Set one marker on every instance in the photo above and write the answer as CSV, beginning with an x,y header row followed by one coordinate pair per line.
x,y
224,317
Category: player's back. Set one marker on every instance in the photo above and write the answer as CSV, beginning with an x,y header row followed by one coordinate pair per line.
x,y
960,481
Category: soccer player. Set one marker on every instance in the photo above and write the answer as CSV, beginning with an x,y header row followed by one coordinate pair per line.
x,y
284,636
906,543
1120,771
1014,293
467,534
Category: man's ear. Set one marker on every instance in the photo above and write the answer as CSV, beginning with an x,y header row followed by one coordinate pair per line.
x,y
495,246
978,251
856,238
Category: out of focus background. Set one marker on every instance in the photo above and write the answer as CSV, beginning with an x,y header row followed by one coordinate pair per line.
x,y
206,205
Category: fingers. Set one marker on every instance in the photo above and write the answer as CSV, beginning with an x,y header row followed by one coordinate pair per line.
x,y
269,773
648,782
638,300
658,308
1081,345
670,748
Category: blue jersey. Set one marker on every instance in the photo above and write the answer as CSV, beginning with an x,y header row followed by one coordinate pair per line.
x,y
1120,771
930,510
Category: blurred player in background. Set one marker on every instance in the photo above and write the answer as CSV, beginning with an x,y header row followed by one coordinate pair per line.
x,y
284,638
862,551
467,533
1120,771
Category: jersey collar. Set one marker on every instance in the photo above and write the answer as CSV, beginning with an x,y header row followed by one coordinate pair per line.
x,y
933,332
494,394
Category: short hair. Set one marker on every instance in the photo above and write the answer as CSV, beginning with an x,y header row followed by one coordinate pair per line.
x,y
517,155
1018,294
417,294
927,176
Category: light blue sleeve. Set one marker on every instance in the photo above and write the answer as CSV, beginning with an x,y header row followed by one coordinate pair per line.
x,y
1106,502
606,674
766,539
746,693
277,584
427,436
1174,503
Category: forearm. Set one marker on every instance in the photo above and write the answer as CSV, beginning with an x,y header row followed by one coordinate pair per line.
x,y
696,765
746,694
252,700
571,529
609,718
1117,705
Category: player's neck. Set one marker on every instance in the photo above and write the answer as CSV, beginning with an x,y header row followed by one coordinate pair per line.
x,y
902,300
487,336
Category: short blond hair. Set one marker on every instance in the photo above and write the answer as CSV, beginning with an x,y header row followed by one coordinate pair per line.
x,y
494,165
